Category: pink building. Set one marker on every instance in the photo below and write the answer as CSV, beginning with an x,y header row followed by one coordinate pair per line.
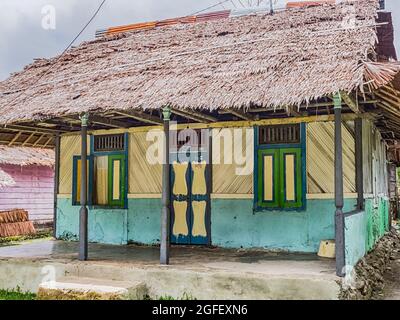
x,y
27,181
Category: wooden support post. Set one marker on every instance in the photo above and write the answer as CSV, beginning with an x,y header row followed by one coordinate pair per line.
x,y
56,181
83,213
166,193
339,197
359,163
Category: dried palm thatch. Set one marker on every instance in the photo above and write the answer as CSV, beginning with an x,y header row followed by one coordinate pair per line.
x,y
11,216
24,156
5,180
16,229
15,223
287,58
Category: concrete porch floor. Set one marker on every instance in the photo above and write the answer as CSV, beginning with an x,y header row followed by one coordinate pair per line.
x,y
203,273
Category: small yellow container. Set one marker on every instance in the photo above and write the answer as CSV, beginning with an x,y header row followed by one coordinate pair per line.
x,y
327,249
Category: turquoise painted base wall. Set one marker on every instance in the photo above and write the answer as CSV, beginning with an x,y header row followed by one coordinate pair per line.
x,y
365,229
105,225
355,237
233,224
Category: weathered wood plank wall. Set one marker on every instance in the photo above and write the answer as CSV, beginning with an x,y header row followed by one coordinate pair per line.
x,y
33,191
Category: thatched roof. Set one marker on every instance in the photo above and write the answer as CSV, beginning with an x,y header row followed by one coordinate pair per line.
x,y
24,156
287,58
6,180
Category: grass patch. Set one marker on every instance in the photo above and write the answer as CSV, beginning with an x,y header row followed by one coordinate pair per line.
x,y
17,239
185,296
16,294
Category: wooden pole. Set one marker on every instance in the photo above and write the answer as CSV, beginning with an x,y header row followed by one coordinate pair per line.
x,y
83,214
56,181
359,163
339,198
166,194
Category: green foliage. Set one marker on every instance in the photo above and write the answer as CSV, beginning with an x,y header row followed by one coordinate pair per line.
x,y
16,294
398,176
185,296
17,239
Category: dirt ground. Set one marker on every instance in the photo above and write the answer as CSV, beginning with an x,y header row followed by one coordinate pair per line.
x,y
392,281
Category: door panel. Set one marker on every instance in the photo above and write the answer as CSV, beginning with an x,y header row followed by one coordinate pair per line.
x,y
180,203
190,203
180,227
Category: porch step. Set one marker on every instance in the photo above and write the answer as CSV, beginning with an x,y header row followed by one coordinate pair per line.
x,y
78,288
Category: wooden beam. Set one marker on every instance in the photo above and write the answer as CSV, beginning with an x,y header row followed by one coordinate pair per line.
x,y
166,194
185,115
37,141
141,116
238,113
199,115
27,139
56,182
388,100
108,122
83,212
47,142
339,196
29,129
359,163
14,139
351,103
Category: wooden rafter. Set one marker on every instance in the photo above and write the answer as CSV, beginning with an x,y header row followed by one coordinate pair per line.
x,y
141,116
352,103
37,141
186,115
15,138
47,142
30,129
28,138
238,113
199,115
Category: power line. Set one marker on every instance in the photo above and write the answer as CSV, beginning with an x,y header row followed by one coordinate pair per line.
x,y
211,7
65,50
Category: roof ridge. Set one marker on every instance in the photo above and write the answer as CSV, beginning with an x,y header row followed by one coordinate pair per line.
x,y
281,5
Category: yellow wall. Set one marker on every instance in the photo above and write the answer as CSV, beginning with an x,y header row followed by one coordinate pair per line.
x,y
225,179
144,178
70,146
320,158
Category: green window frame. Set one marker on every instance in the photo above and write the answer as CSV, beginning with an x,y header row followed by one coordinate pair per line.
x,y
275,195
115,179
120,200
280,167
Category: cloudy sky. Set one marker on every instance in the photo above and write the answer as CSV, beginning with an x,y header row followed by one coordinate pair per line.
x,y
22,37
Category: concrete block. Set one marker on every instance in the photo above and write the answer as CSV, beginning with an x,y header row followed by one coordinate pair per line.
x,y
77,288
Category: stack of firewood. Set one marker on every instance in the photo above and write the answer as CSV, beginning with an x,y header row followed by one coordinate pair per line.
x,y
15,223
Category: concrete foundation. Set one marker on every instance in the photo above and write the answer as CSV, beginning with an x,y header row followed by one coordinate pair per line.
x,y
201,273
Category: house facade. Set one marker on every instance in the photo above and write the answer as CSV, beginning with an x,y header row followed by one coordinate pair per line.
x,y
283,200
238,131
30,172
